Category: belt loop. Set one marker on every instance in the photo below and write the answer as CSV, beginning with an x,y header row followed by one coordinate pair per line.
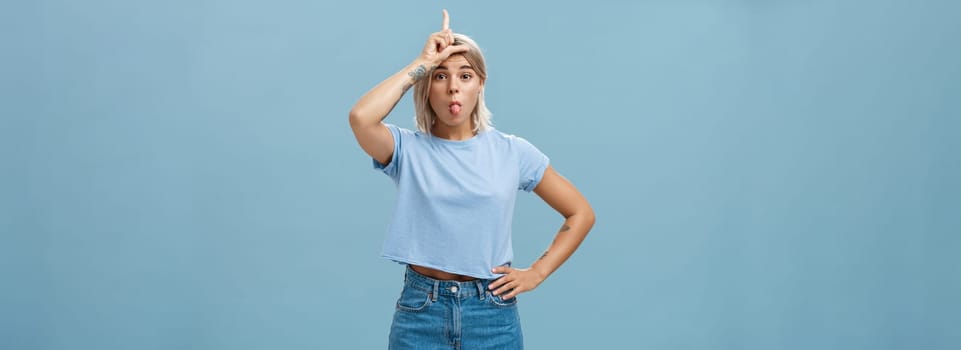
x,y
433,296
480,288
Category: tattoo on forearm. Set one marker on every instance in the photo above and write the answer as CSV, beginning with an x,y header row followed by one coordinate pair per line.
x,y
565,228
543,255
418,73
415,75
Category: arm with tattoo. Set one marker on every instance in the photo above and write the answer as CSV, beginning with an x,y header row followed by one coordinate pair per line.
x,y
578,215
367,115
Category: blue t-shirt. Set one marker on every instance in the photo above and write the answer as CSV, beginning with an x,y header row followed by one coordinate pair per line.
x,y
455,199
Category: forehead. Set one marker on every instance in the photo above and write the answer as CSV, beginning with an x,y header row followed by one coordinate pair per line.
x,y
454,62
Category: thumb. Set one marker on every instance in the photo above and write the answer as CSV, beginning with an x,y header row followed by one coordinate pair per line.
x,y
501,270
454,49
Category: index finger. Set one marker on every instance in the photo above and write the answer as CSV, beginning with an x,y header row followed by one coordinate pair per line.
x,y
446,24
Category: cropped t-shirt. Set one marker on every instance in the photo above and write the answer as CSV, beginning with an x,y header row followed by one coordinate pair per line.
x,y
455,199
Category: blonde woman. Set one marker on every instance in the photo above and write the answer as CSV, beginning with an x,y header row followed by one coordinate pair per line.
x,y
457,179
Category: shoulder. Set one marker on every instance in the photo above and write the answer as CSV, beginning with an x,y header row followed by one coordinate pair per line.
x,y
513,142
498,136
404,135
400,130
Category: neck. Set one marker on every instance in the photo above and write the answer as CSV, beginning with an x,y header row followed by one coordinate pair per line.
x,y
453,133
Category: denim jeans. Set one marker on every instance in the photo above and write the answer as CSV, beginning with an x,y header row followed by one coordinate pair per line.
x,y
434,314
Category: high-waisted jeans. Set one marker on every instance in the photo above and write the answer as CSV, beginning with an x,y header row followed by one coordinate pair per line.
x,y
435,314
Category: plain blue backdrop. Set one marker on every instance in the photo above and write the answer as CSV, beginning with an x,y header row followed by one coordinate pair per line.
x,y
766,174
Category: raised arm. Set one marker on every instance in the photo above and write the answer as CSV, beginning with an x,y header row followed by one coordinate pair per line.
x,y
366,118
578,215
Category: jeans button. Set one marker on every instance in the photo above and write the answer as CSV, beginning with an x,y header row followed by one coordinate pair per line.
x,y
453,289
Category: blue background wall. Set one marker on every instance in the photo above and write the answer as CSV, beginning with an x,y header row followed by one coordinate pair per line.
x,y
767,174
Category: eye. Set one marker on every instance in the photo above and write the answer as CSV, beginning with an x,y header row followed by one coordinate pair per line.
x,y
465,76
440,76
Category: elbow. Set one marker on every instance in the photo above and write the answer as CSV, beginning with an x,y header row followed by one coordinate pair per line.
x,y
590,218
584,216
360,119
355,118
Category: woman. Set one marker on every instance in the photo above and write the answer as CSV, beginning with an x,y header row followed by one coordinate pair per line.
x,y
457,180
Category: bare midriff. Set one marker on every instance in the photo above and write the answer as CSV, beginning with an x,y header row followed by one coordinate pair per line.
x,y
441,275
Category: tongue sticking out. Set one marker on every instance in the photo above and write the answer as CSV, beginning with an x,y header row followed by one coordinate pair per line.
x,y
455,109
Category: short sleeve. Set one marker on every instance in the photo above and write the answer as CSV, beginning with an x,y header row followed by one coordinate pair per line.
x,y
391,168
532,165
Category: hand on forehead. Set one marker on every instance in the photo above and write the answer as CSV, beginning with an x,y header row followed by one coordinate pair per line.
x,y
455,62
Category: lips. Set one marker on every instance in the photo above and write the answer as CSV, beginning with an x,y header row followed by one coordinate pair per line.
x,y
455,108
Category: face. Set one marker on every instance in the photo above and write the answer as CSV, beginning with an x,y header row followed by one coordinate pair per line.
x,y
454,91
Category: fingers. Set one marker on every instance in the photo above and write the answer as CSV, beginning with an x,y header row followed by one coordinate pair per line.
x,y
508,285
514,281
505,283
445,28
512,294
501,270
440,47
439,43
446,24
443,39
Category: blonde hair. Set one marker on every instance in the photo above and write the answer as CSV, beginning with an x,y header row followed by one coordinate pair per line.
x,y
480,117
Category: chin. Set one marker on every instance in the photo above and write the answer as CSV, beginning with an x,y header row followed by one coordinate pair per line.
x,y
455,121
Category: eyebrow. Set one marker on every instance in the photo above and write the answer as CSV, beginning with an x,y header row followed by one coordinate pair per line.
x,y
466,66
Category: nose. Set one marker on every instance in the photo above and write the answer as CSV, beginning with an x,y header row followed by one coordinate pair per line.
x,y
453,87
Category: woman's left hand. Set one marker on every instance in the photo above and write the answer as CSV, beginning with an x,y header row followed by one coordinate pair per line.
x,y
516,281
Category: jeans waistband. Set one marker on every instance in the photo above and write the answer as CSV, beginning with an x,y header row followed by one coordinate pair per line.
x,y
475,288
